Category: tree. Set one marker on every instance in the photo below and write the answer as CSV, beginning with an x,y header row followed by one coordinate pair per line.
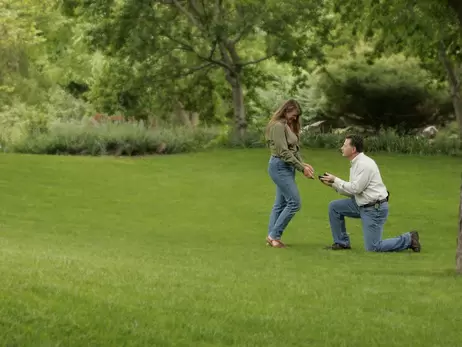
x,y
182,37
431,29
19,34
457,7
389,92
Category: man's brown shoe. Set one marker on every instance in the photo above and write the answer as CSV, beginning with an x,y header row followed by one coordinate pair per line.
x,y
415,243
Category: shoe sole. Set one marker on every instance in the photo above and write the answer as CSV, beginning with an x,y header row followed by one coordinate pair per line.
x,y
417,239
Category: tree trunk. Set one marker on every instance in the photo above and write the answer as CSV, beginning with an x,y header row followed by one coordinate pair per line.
x,y
182,115
457,7
457,103
459,240
194,117
238,103
454,84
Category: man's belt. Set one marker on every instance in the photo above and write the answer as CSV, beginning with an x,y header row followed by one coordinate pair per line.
x,y
378,202
375,203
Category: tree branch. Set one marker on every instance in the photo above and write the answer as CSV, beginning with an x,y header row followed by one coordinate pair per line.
x,y
195,9
230,46
218,4
218,11
188,15
256,61
240,35
454,81
188,72
214,47
193,70
189,48
224,54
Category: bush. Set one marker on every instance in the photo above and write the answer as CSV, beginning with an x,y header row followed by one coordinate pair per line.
x,y
20,119
384,141
131,139
392,92
389,141
86,138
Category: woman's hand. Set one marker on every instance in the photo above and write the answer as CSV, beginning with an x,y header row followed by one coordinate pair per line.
x,y
308,171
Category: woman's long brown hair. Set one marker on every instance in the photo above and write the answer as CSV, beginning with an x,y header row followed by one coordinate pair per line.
x,y
280,114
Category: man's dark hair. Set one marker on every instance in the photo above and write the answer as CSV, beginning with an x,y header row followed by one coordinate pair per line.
x,y
356,141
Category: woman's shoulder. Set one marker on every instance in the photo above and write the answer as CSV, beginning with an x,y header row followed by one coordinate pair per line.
x,y
279,124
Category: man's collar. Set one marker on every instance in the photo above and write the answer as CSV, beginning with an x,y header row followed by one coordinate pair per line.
x,y
356,158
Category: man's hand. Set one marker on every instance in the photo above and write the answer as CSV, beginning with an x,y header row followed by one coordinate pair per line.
x,y
308,171
328,179
327,183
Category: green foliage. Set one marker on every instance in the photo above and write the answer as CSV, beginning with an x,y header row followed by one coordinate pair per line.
x,y
150,59
450,131
428,29
20,120
389,92
168,42
36,65
415,28
389,141
86,138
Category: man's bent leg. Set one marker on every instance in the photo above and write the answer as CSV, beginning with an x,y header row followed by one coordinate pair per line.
x,y
373,220
338,210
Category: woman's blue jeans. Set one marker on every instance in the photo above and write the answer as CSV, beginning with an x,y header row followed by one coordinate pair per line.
x,y
287,201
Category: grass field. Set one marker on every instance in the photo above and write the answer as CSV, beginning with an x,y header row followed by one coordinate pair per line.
x,y
170,251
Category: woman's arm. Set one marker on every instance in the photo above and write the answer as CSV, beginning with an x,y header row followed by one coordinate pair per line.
x,y
299,157
278,138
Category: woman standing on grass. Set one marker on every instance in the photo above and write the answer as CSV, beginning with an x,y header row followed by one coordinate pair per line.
x,y
282,136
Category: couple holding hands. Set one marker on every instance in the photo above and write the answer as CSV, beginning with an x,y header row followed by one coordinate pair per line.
x,y
367,196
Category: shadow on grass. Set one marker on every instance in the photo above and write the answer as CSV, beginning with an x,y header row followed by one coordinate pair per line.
x,y
411,272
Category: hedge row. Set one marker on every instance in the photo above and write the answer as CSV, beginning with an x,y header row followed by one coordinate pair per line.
x,y
135,139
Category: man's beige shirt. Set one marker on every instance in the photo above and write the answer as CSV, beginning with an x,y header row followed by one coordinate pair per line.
x,y
365,182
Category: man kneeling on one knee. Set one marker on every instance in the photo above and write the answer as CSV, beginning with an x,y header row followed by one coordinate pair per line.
x,y
368,200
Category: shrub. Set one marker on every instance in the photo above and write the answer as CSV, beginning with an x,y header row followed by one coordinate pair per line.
x,y
130,139
389,141
86,138
19,119
391,92
384,141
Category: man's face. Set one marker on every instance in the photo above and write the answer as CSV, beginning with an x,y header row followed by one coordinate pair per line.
x,y
347,149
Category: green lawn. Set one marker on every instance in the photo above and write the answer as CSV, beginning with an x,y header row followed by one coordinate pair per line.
x,y
170,251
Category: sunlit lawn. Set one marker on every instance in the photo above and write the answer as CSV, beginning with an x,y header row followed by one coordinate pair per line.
x,y
170,251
